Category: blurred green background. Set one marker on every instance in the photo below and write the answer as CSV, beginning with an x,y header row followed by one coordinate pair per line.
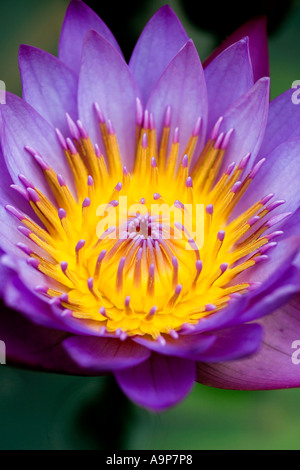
x,y
47,411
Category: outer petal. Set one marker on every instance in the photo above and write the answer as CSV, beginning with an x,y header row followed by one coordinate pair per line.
x,y
34,346
248,117
105,354
159,42
277,175
256,30
227,77
159,382
105,78
182,86
78,21
275,366
233,343
48,85
22,126
283,121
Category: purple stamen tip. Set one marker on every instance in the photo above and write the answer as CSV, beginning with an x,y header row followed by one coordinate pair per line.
x,y
118,187
97,151
139,112
267,247
176,135
219,141
90,180
61,180
71,146
24,248
199,265
153,162
24,230
86,202
216,128
20,191
256,168
25,181
127,301
72,127
99,113
266,198
259,259
33,195
156,196
275,234
161,340
253,220
64,266
61,139
243,163
103,312
152,311
41,289
224,267
31,150
209,209
41,162
101,256
178,289
277,218
79,245
230,168
189,182
110,128
151,122
102,330
221,235
168,116
33,262
64,297
210,307
12,210
125,171
151,270
62,213
90,283
174,334
143,200
275,204
185,161
236,186
114,203
144,141
197,127
226,139
82,130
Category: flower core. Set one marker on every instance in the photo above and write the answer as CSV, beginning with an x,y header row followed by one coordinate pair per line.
x,y
150,251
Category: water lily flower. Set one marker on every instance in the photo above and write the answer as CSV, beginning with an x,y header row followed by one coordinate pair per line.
x,y
150,212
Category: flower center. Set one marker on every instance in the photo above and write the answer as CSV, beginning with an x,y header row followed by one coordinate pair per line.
x,y
151,251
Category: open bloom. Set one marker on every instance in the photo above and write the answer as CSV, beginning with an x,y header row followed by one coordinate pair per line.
x,y
153,212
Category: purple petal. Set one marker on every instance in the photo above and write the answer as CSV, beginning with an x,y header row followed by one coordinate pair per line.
x,y
227,77
256,30
233,343
185,346
159,382
34,346
277,175
104,76
283,121
105,354
159,42
181,86
78,21
248,117
275,366
23,126
48,86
